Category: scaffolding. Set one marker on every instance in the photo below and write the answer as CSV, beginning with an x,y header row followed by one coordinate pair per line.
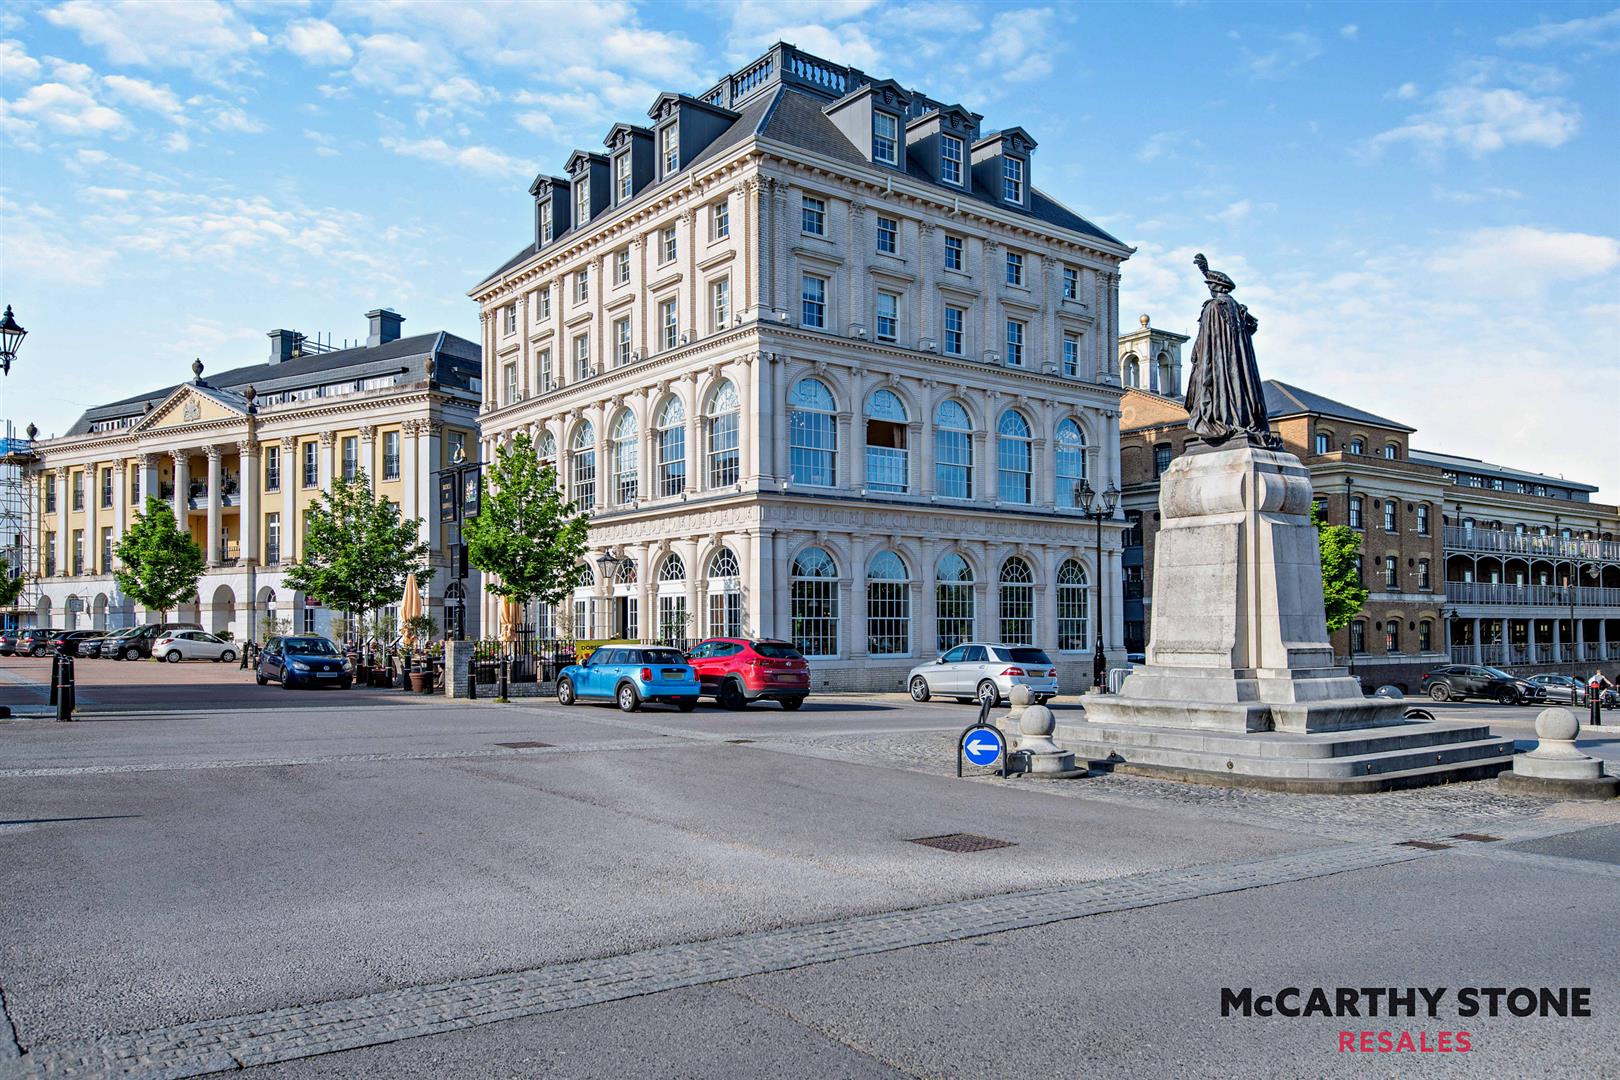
x,y
18,526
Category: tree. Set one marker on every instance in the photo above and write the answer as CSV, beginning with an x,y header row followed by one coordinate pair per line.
x,y
159,564
10,587
1342,590
357,550
527,538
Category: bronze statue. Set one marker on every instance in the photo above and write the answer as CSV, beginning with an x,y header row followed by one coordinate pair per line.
x,y
1224,396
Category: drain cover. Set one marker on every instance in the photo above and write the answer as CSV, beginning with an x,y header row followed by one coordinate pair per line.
x,y
1481,838
530,745
1426,845
961,841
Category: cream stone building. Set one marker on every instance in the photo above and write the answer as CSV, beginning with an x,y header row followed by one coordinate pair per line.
x,y
823,363
242,456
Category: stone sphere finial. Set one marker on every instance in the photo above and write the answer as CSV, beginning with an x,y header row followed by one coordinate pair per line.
x,y
1037,721
1021,696
1144,321
1559,725
33,432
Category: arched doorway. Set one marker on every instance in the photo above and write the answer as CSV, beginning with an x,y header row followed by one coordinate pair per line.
x,y
272,620
98,612
222,610
71,609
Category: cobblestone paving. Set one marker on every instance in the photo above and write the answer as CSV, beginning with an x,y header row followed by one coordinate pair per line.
x,y
285,1034
1392,815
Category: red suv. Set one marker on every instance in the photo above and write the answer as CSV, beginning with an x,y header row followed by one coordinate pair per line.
x,y
737,671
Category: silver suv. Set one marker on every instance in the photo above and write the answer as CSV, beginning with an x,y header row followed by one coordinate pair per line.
x,y
978,670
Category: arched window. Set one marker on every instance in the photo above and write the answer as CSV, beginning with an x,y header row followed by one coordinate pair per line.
x,y
585,466
1071,461
886,456
725,464
1358,446
1017,603
1133,370
626,480
1392,636
671,447
1358,637
812,434
1013,483
548,449
1392,451
626,574
953,602
815,603
953,452
888,606
725,595
672,612
1073,608
1164,379
584,628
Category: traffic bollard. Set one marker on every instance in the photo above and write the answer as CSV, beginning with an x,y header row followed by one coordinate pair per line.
x,y
505,677
56,675
472,677
65,692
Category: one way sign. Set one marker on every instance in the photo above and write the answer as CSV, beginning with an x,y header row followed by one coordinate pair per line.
x,y
982,745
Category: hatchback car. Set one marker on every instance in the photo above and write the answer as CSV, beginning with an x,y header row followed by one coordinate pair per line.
x,y
137,642
1561,688
178,645
737,671
38,640
8,641
1456,682
631,676
979,670
107,648
303,660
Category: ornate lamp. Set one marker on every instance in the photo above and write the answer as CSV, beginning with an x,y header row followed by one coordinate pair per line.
x,y
11,339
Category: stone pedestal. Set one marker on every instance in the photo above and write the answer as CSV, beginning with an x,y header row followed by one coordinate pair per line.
x,y
1555,767
1240,684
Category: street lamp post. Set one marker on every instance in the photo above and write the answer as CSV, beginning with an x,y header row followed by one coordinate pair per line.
x,y
11,339
608,563
1098,506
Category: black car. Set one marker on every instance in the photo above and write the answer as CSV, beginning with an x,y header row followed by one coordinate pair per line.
x,y
303,660
103,648
1455,682
38,640
136,642
71,642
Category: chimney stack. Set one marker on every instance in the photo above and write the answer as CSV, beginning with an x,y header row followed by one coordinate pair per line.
x,y
283,344
384,326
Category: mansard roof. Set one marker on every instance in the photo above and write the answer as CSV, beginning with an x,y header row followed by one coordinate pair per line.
x,y
1285,400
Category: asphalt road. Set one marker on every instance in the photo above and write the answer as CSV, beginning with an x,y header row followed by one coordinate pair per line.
x,y
165,868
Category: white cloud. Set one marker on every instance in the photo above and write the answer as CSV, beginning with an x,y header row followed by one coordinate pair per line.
x,y
399,64
201,35
1021,44
1163,143
317,41
1234,213
325,145
1407,91
177,142
480,159
68,110
1480,119
15,63
233,119
1349,31
1522,263
1599,33
1445,194
1292,51
145,95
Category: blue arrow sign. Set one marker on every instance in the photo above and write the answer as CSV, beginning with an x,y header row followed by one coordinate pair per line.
x,y
983,745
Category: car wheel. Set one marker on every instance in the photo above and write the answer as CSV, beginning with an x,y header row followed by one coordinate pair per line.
x,y
1439,692
37,650
286,681
346,684
629,700
988,691
792,704
1507,696
227,656
565,692
731,695
260,679
132,653
919,689
172,656
686,704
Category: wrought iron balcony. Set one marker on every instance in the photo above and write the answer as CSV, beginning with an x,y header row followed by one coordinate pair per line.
x,y
1502,542
1548,596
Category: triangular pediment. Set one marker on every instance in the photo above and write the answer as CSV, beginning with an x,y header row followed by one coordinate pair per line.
x,y
192,403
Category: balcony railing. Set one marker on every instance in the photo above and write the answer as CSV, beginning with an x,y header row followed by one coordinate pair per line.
x,y
1545,596
1502,542
1508,655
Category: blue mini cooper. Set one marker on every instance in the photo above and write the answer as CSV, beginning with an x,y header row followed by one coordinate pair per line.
x,y
631,675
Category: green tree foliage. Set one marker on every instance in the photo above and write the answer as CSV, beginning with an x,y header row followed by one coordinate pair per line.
x,y
527,537
10,587
1342,589
357,550
158,564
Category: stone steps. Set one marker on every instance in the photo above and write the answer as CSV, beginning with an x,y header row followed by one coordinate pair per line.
x,y
1354,742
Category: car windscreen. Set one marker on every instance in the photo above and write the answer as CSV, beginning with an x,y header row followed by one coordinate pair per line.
x,y
1497,673
1027,656
309,646
773,650
662,656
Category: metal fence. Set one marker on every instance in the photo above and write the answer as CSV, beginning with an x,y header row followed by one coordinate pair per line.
x,y
532,659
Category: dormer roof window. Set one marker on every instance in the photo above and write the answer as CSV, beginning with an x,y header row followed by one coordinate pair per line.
x,y
669,148
885,138
1012,180
582,198
545,222
950,159
622,185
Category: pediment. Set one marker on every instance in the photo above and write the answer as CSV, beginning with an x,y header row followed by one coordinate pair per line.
x,y
193,404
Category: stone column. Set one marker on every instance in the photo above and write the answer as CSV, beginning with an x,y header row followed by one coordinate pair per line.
x,y
215,504
850,450
182,493
410,497
694,620
1041,490
291,476
328,441
368,455
149,479
919,460
92,535
984,465
854,582
696,459
248,462
747,468
64,539
428,441
645,617
120,491
1478,641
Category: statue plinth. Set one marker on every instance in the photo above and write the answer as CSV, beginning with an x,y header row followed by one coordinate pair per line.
x,y
1239,639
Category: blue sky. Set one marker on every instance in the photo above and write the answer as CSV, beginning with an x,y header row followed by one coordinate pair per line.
x,y
1419,201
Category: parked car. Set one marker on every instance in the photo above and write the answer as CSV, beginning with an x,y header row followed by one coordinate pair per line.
x,y
631,676
37,640
8,641
137,643
1561,688
106,648
304,659
737,671
1455,682
978,670
178,645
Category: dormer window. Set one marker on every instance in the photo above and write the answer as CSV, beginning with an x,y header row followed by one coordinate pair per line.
x,y
950,159
669,148
582,199
545,222
1012,180
885,138
622,184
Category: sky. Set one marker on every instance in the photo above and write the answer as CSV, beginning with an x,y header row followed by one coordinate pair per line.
x,y
1420,202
